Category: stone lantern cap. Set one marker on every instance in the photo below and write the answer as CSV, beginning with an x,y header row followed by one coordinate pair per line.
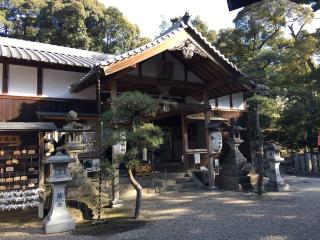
x,y
272,147
217,124
59,157
235,127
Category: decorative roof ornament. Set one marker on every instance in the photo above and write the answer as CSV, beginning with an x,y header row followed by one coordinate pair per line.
x,y
189,49
186,17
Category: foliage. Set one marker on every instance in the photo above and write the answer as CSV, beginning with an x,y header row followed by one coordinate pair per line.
x,y
130,109
202,27
271,46
107,170
129,116
71,23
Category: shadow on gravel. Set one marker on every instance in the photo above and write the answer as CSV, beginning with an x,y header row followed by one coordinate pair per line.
x,y
109,227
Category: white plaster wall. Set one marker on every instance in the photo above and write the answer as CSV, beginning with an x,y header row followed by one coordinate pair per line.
x,y
194,78
238,101
56,85
224,102
212,103
22,80
1,80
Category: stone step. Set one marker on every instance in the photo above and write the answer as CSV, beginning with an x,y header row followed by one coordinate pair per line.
x,y
181,186
183,180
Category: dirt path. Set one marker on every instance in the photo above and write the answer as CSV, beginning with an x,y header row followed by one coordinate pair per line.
x,y
214,215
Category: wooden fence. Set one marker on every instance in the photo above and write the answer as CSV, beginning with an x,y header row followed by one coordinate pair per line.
x,y
306,164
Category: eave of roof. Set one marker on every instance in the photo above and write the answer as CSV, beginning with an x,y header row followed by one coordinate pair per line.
x,y
27,126
46,53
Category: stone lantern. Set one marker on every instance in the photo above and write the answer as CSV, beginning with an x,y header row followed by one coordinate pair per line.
x,y
272,156
74,142
58,219
231,175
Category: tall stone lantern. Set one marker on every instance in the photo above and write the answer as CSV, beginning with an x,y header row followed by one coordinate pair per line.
x,y
231,175
272,156
58,219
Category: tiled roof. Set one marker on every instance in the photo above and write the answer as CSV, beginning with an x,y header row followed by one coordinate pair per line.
x,y
27,126
47,53
141,49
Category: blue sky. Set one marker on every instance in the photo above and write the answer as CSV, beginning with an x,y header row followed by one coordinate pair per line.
x,y
147,14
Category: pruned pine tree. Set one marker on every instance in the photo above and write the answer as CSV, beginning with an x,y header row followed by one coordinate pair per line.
x,y
129,116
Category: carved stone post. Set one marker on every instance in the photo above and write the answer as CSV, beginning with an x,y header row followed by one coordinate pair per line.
x,y
272,156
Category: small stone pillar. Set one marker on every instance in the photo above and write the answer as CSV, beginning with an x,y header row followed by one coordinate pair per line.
x,y
303,163
296,163
308,162
272,155
314,164
58,219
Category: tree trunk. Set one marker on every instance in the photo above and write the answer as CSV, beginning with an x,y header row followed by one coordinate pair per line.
x,y
260,165
138,188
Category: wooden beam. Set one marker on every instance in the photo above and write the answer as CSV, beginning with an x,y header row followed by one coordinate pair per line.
x,y
113,89
140,69
39,81
150,81
231,101
184,140
207,135
185,74
5,78
158,48
217,83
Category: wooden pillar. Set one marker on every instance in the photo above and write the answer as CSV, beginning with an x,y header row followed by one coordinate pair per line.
x,y
99,139
5,78
115,183
208,144
184,136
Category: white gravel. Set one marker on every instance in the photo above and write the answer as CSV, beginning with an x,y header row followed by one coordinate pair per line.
x,y
226,215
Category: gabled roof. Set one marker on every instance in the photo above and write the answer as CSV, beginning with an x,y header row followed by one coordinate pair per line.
x,y
46,53
177,28
181,31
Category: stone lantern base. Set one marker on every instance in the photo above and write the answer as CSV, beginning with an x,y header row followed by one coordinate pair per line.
x,y
58,219
276,183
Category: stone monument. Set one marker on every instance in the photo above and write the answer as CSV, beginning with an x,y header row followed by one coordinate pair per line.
x,y
58,219
272,156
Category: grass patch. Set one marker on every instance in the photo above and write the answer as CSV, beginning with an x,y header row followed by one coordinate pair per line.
x,y
26,217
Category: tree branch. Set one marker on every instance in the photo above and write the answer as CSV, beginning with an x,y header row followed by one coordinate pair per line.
x,y
268,38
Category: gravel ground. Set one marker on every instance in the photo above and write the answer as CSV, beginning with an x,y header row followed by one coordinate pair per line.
x,y
222,215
